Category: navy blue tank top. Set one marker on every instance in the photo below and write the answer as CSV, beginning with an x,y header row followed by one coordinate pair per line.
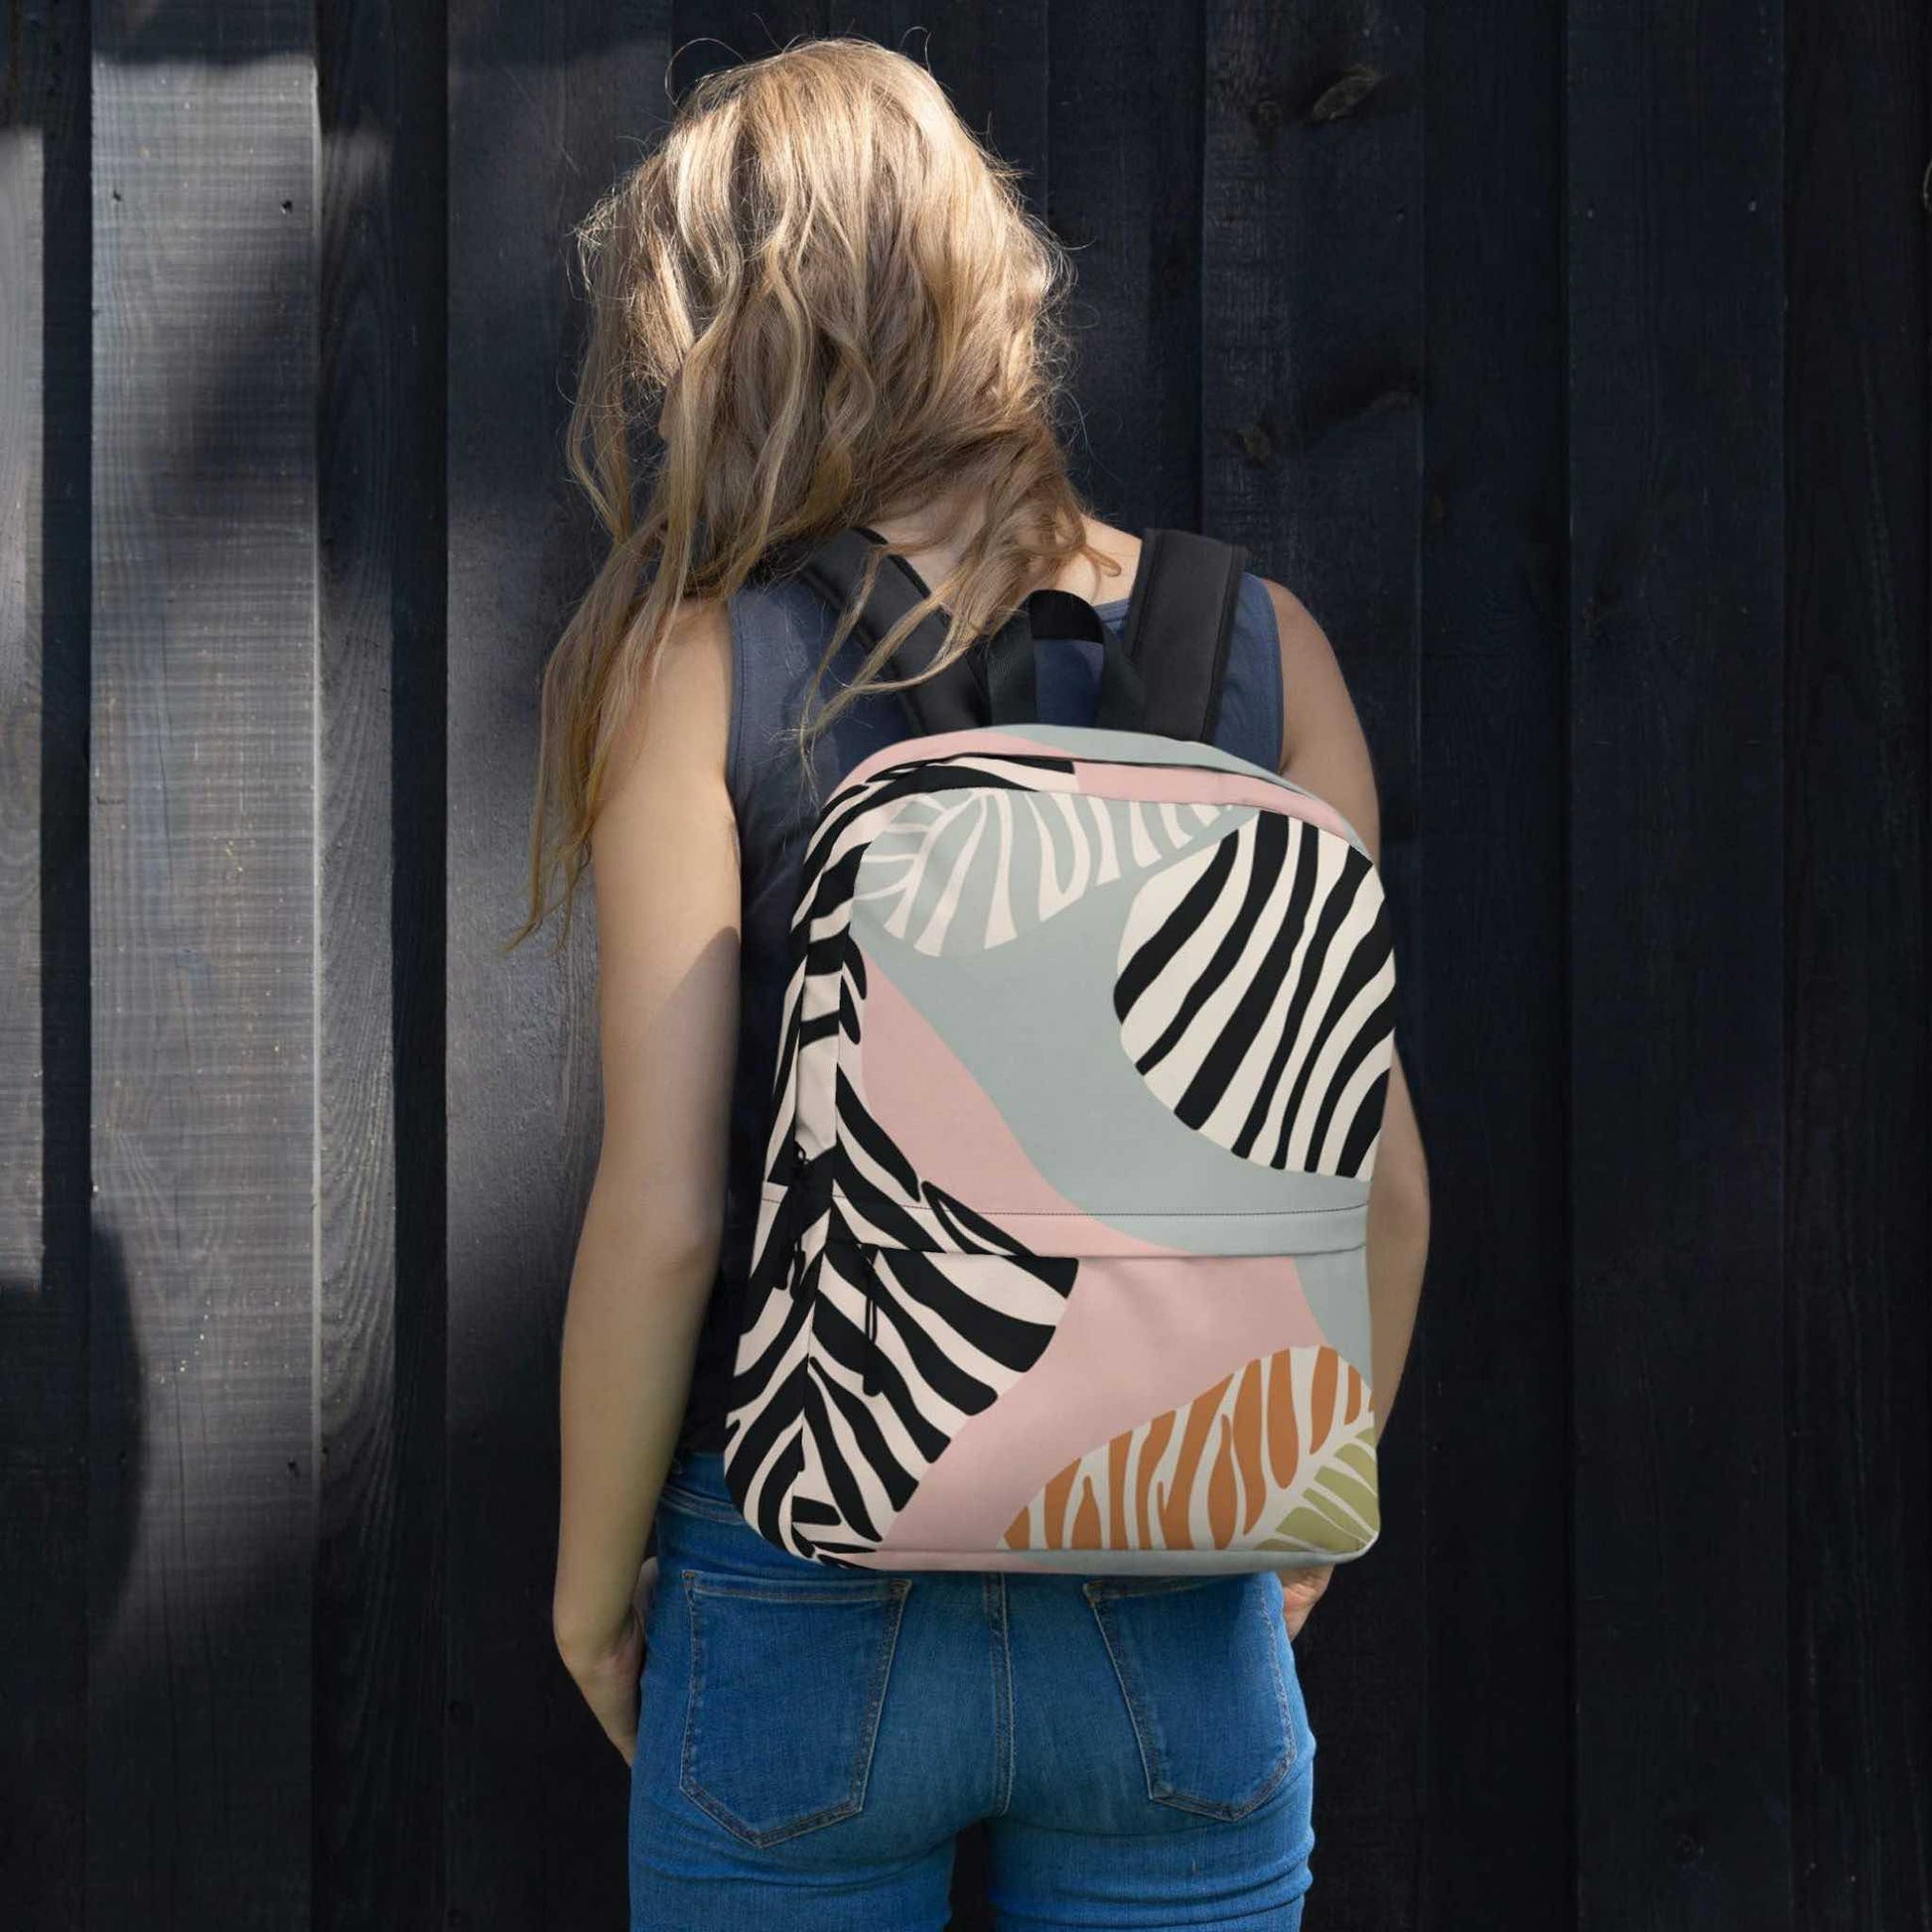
x,y
779,630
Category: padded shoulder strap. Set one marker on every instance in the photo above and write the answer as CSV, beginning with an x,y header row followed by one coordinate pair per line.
x,y
954,700
1180,616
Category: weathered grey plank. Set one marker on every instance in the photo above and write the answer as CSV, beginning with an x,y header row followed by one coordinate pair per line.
x,y
201,1502
43,1204
23,72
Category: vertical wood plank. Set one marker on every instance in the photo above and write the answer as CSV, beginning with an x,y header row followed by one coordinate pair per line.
x,y
1124,194
546,106
1673,154
380,1606
44,1191
1311,429
25,72
204,926
1859,1249
1492,910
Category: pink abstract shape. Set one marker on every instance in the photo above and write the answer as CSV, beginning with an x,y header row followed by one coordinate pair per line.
x,y
947,745
928,1103
1139,1336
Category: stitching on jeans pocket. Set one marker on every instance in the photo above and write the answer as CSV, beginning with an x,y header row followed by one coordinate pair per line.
x,y
805,1663
1202,1675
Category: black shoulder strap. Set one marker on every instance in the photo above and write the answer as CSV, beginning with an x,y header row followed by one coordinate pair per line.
x,y
1180,616
955,699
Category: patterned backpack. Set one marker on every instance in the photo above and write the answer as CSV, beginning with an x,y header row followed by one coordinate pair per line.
x,y
1059,1252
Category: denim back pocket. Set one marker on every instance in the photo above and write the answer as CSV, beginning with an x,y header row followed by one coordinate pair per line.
x,y
788,1682
1199,1663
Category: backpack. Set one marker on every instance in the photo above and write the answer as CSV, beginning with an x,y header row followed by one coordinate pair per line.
x,y
1058,1262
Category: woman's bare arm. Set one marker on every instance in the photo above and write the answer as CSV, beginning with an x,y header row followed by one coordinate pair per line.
x,y
664,862
1325,750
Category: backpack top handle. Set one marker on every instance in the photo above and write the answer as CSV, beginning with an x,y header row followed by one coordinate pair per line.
x,y
1164,673
1009,663
992,682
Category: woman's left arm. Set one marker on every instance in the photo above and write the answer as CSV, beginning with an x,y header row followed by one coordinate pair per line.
x,y
1324,747
664,862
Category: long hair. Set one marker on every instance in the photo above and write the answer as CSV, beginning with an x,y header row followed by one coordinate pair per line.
x,y
820,302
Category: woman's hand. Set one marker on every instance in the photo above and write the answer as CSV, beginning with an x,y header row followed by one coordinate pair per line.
x,y
1302,1586
608,1671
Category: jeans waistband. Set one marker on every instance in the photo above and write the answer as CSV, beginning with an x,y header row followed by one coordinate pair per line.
x,y
696,1482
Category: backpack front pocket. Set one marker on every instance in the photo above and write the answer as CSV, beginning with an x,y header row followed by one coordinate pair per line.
x,y
1137,1413
786,1686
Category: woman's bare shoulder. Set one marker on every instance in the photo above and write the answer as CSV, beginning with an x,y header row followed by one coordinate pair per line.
x,y
666,867
663,840
677,718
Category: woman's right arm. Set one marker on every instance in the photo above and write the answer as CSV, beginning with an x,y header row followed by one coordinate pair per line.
x,y
665,871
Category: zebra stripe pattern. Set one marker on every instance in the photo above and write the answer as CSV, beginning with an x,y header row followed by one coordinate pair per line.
x,y
1256,994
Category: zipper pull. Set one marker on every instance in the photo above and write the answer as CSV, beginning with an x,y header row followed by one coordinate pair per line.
x,y
869,1255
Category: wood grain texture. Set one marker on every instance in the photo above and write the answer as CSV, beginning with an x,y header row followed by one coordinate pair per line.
x,y
546,106
202,1506
1491,914
1678,788
1858,1254
1123,193
1310,432
380,1607
26,72
44,988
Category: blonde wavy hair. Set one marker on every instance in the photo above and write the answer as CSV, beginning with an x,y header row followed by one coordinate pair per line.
x,y
824,302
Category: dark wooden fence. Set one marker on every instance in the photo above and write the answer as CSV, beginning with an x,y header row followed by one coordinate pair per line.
x,y
1571,362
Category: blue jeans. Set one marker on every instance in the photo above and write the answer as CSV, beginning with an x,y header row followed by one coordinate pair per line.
x,y
811,1740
